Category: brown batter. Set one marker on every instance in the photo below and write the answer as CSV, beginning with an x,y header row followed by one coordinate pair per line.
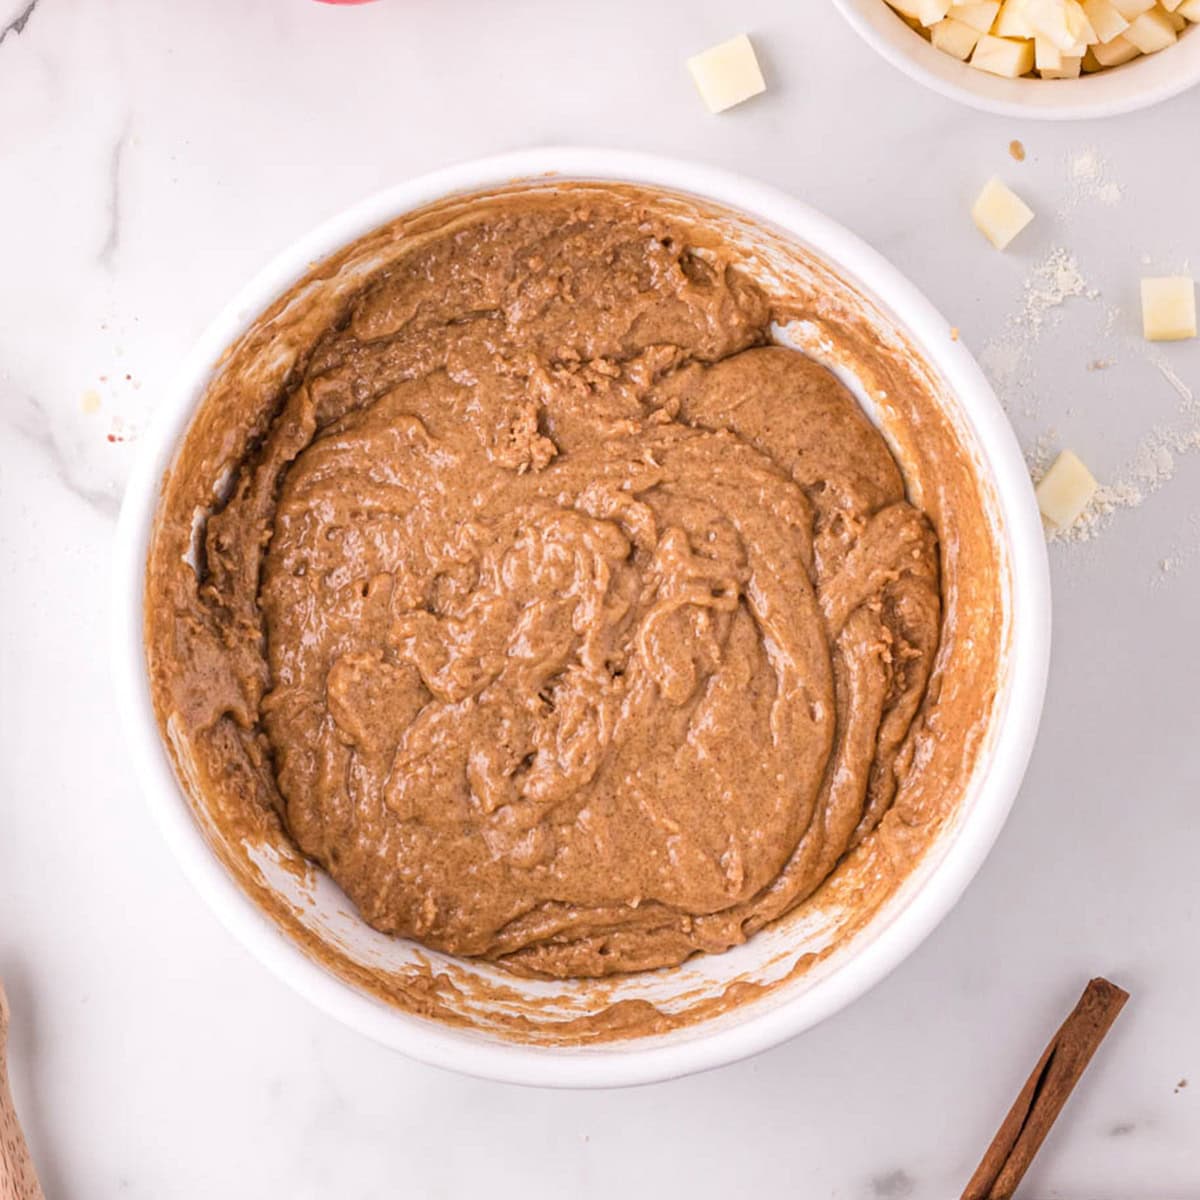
x,y
561,617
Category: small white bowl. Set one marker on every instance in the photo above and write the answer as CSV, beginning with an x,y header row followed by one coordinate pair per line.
x,y
1146,80
903,921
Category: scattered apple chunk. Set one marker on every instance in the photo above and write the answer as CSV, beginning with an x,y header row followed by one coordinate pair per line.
x,y
1168,308
1000,213
1065,490
727,74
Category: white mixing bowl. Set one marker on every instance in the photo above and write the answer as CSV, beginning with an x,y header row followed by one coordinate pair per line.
x,y
904,920
1146,80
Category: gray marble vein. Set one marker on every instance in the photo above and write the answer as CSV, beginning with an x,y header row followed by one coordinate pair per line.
x,y
18,23
30,420
112,237
892,1185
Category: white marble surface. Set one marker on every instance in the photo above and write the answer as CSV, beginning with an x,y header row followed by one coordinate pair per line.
x,y
152,156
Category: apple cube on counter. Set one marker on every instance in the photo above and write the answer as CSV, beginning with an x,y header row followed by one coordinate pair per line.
x,y
1065,490
1000,213
727,74
1168,308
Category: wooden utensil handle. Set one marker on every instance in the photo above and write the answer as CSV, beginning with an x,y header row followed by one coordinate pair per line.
x,y
18,1180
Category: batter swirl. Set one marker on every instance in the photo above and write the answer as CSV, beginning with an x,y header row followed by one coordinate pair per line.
x,y
571,623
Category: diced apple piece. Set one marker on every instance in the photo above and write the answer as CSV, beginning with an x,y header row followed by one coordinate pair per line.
x,y
1046,55
1062,22
1009,57
979,16
727,74
1151,32
1054,39
1069,70
954,38
1168,308
1115,53
1000,213
927,12
1132,8
1105,19
1066,490
1081,25
1013,20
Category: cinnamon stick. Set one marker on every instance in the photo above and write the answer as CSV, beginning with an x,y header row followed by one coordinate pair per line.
x,y
1045,1092
18,1181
